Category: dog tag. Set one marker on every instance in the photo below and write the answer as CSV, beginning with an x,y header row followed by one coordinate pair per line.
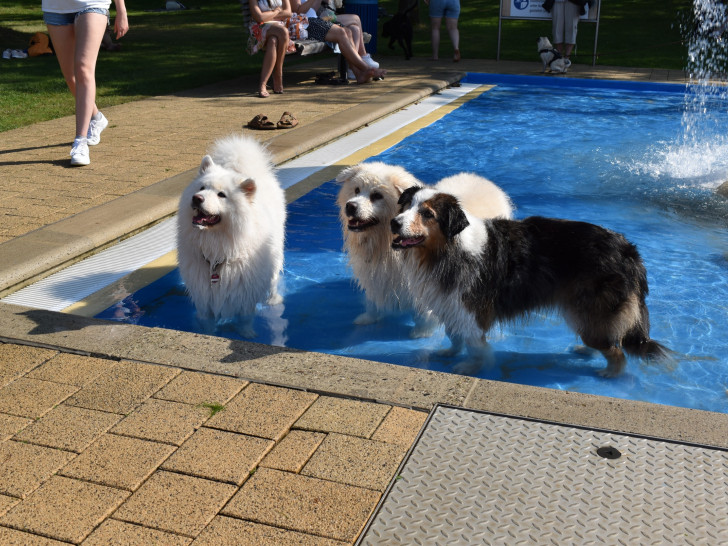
x,y
214,278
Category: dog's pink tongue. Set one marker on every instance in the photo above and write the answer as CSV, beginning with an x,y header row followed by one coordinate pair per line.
x,y
205,220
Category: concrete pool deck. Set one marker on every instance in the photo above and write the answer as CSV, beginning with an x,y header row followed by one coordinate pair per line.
x,y
144,434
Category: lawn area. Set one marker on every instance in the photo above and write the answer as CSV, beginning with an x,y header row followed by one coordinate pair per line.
x,y
166,52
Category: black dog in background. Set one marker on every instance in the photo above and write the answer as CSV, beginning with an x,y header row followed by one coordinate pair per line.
x,y
399,29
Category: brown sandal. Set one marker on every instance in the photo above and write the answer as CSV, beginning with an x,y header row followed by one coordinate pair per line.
x,y
287,121
261,122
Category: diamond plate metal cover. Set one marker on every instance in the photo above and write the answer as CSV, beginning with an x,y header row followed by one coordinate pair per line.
x,y
478,478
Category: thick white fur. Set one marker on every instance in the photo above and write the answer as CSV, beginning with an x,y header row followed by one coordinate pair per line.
x,y
246,247
478,195
376,267
559,65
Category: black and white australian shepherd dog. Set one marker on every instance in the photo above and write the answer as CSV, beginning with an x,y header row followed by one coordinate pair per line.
x,y
473,273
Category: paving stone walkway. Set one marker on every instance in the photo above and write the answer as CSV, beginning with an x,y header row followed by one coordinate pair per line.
x,y
99,451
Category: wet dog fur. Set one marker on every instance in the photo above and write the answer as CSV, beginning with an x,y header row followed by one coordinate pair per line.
x,y
473,273
230,234
367,202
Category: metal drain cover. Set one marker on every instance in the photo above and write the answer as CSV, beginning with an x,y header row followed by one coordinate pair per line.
x,y
479,478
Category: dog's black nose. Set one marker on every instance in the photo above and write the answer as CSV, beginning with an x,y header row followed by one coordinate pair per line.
x,y
395,225
351,209
197,199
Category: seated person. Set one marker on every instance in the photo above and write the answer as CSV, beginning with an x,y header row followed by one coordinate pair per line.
x,y
271,34
352,22
326,31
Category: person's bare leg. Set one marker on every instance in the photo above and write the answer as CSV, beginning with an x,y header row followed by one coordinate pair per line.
x,y
435,36
282,46
89,29
64,43
269,60
568,49
353,23
451,24
362,71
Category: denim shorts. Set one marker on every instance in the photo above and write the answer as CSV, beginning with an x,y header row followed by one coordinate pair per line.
x,y
61,19
445,8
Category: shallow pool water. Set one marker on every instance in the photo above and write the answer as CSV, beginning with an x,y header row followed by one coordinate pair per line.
x,y
611,156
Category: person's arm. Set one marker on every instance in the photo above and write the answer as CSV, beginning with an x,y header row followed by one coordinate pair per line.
x,y
275,14
121,22
303,8
287,11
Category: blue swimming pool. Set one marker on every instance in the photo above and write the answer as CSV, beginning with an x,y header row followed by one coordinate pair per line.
x,y
608,153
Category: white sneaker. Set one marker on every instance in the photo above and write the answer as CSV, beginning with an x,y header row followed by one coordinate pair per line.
x,y
371,62
18,54
93,137
7,53
79,152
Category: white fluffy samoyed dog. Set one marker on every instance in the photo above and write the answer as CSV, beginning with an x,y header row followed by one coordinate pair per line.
x,y
230,237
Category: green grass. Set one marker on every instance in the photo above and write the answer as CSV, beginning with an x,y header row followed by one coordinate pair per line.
x,y
168,52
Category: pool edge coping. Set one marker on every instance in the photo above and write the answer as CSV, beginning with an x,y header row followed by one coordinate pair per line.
x,y
354,378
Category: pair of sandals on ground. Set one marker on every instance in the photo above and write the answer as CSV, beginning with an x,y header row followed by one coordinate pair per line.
x,y
261,122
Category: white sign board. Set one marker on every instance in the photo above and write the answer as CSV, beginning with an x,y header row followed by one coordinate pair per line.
x,y
529,9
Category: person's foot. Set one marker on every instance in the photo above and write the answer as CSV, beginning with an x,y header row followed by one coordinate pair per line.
x,y
456,56
278,85
98,124
263,93
367,75
79,152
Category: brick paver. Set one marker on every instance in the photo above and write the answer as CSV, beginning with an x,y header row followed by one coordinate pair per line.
x,y
309,505
235,532
344,416
355,461
123,387
68,428
294,450
25,466
163,421
262,410
118,461
176,503
121,533
26,397
71,369
219,455
64,509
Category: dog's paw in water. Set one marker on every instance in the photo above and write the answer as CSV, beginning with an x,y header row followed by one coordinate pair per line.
x,y
425,326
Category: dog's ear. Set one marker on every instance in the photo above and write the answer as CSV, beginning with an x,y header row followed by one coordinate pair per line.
x,y
348,173
406,198
450,215
403,180
206,164
248,187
